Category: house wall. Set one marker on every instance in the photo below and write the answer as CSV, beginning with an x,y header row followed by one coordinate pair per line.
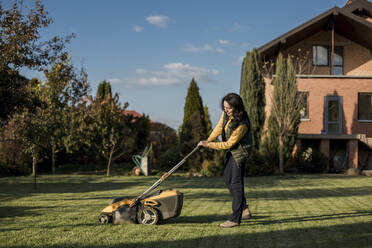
x,y
357,59
348,88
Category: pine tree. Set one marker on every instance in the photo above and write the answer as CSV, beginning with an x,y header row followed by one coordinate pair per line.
x,y
194,127
252,91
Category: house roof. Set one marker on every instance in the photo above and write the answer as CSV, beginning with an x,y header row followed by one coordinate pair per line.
x,y
133,113
345,22
358,5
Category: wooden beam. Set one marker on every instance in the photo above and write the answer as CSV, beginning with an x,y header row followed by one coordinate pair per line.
x,y
333,47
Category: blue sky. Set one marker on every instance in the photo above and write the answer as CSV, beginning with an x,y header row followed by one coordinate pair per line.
x,y
150,50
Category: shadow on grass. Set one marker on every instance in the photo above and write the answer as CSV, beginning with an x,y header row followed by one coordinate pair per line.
x,y
355,214
6,212
284,195
348,235
260,219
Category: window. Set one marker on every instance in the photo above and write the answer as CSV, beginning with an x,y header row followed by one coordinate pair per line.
x,y
322,56
304,109
338,68
333,114
365,106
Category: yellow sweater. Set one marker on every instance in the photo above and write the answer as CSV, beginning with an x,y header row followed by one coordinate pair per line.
x,y
235,137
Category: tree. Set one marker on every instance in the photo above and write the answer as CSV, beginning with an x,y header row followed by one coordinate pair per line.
x,y
115,132
21,46
285,106
207,120
13,94
20,38
63,89
252,91
194,127
104,90
162,138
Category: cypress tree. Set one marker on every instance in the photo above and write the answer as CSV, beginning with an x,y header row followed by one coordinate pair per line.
x,y
104,90
194,127
207,119
193,102
252,91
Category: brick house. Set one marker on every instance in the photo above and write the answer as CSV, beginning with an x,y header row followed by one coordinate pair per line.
x,y
334,63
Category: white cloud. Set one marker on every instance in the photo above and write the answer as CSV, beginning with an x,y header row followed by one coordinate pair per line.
x,y
224,42
114,80
138,28
220,50
159,21
195,49
205,48
170,74
238,27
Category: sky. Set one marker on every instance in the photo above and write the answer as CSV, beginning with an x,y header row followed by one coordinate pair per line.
x,y
150,50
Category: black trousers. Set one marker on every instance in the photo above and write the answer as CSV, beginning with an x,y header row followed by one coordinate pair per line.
x,y
234,180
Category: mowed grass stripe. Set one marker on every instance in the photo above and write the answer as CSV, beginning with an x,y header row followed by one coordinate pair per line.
x,y
63,212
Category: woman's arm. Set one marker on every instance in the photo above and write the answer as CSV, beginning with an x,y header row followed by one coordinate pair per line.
x,y
235,137
217,130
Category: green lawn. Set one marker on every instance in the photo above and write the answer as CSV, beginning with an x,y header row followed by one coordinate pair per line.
x,y
289,211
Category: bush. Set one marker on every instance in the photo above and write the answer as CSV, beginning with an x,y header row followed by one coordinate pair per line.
x,y
261,164
310,161
214,168
168,159
9,170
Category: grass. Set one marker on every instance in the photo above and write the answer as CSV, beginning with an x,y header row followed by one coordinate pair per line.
x,y
289,211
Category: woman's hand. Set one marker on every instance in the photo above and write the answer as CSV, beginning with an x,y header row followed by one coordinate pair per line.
x,y
204,143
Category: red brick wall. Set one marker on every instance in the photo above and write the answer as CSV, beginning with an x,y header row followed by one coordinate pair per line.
x,y
357,59
348,88
357,62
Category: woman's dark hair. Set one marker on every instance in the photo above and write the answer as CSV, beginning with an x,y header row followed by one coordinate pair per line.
x,y
239,113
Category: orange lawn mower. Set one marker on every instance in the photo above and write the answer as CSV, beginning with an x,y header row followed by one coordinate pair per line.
x,y
147,208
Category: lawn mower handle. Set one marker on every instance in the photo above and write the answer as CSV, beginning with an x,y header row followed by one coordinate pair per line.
x,y
163,177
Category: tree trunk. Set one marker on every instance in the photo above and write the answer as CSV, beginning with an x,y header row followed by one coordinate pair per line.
x,y
34,165
281,159
109,162
53,159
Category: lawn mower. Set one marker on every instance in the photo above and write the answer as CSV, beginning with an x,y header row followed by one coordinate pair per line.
x,y
147,208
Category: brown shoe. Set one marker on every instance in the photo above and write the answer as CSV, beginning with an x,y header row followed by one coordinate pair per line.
x,y
246,214
229,224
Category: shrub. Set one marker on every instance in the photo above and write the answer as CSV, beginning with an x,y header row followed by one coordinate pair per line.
x,y
261,164
310,161
208,168
10,170
169,159
214,168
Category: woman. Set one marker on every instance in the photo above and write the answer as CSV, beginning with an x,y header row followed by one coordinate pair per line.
x,y
234,126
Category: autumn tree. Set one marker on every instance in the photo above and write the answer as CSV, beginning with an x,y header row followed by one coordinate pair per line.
x,y
21,46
